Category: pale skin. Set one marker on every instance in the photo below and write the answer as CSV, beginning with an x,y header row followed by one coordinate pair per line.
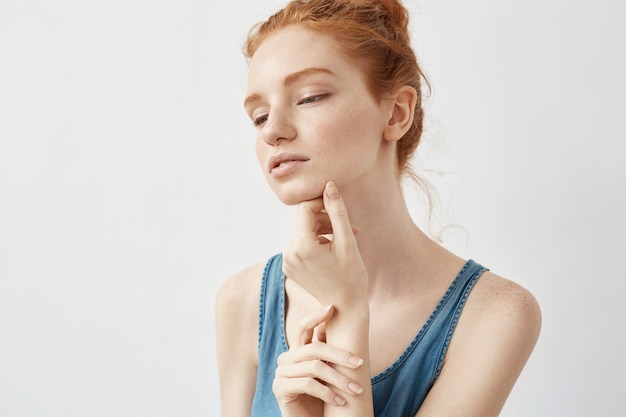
x,y
355,304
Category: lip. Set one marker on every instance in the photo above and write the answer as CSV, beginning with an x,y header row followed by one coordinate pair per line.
x,y
284,163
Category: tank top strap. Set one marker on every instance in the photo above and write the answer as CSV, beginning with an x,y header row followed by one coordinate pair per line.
x,y
400,390
271,339
272,302
447,314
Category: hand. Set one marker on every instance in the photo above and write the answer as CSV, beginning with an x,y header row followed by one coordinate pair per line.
x,y
323,257
304,377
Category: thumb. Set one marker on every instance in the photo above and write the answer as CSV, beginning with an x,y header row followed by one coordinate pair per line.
x,y
333,203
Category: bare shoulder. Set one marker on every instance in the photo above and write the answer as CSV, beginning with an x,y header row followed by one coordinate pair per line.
x,y
240,291
237,305
501,315
236,329
495,335
498,301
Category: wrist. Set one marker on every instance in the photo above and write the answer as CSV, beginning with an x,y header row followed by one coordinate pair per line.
x,y
349,325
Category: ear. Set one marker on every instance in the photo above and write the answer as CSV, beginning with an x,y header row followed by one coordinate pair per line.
x,y
402,112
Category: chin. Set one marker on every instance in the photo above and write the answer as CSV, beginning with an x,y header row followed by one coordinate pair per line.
x,y
294,195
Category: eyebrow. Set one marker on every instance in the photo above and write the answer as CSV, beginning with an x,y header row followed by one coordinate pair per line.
x,y
291,79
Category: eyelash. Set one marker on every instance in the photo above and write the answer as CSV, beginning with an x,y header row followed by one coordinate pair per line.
x,y
312,99
259,120
306,100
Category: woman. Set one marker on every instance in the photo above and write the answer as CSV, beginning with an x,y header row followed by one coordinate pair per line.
x,y
362,314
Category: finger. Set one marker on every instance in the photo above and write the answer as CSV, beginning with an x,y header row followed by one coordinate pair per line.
x,y
320,333
307,221
285,389
355,230
309,323
320,371
325,239
334,205
322,351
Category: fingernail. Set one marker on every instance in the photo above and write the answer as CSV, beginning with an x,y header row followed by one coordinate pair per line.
x,y
331,190
354,387
355,361
326,308
339,401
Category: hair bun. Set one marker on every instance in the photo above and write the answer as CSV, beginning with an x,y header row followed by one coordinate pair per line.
x,y
397,13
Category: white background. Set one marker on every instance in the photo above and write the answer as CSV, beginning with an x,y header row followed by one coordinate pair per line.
x,y
129,191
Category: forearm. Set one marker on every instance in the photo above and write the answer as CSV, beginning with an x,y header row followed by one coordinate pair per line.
x,y
349,329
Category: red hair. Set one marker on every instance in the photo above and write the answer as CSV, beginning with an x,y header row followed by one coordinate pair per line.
x,y
372,33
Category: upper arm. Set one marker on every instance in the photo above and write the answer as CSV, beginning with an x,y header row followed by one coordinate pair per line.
x,y
236,323
495,335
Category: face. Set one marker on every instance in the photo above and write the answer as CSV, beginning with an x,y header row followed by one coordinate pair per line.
x,y
314,117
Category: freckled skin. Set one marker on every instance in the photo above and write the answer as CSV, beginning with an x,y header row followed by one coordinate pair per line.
x,y
340,133
344,135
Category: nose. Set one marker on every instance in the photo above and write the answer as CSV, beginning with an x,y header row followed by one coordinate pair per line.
x,y
278,127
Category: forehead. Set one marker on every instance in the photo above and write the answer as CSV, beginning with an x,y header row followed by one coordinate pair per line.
x,y
291,50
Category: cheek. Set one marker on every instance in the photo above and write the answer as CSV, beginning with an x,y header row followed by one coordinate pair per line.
x,y
334,129
348,128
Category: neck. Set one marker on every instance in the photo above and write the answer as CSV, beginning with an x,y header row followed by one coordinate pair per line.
x,y
393,248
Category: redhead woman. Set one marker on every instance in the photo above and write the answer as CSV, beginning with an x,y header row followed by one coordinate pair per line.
x,y
362,314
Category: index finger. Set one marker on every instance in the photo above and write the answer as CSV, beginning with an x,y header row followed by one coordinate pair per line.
x,y
312,321
336,209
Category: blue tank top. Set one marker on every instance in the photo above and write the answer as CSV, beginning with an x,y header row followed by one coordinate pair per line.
x,y
399,390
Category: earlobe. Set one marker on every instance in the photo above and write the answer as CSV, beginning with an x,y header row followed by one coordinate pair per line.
x,y
402,114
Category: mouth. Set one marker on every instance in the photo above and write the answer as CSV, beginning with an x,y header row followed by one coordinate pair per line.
x,y
284,161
